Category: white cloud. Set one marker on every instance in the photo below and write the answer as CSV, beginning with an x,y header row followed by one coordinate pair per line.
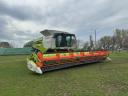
x,y
23,20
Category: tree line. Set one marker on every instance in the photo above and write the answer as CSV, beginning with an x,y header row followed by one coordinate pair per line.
x,y
119,41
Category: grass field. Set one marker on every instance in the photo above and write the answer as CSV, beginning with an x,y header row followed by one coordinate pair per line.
x,y
99,79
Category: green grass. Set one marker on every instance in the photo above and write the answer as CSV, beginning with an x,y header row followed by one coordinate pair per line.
x,y
100,79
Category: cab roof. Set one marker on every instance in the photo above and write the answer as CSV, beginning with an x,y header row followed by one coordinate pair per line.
x,y
52,32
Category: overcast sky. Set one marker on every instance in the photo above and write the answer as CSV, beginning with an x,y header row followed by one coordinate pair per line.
x,y
22,20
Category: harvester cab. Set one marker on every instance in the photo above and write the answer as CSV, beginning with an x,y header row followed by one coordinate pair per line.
x,y
53,40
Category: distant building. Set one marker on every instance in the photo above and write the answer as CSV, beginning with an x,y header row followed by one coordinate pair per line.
x,y
5,45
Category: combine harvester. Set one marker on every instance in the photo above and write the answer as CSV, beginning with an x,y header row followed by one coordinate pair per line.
x,y
57,49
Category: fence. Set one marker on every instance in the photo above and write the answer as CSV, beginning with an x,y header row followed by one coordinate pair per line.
x,y
15,51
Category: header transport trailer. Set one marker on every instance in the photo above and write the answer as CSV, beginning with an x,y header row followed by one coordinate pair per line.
x,y
57,49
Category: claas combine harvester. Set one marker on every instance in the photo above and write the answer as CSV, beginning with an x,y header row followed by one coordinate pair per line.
x,y
57,49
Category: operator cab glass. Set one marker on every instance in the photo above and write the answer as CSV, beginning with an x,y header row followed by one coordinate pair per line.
x,y
64,40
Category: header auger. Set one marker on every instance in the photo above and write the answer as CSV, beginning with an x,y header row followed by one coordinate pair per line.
x,y
57,49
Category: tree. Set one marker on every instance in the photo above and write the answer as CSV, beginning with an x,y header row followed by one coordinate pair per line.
x,y
121,36
105,43
80,44
28,44
91,47
86,46
118,35
5,45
